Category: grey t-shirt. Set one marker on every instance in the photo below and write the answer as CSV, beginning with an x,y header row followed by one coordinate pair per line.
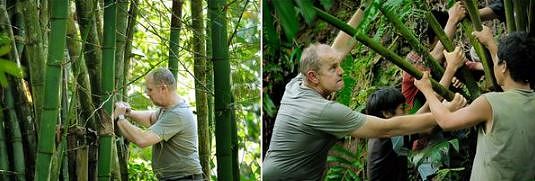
x,y
176,154
306,127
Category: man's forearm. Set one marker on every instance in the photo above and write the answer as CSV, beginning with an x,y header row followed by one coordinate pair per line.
x,y
130,132
435,106
343,42
410,124
142,117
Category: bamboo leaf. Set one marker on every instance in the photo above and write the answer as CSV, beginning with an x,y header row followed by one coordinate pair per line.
x,y
307,10
10,68
327,4
455,144
288,18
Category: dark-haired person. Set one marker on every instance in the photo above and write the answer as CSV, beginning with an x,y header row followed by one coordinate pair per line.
x,y
172,129
505,120
386,160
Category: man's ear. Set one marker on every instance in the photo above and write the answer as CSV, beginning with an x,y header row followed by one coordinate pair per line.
x,y
312,77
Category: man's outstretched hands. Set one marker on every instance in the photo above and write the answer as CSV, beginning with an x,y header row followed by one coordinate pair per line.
x,y
424,84
454,59
484,36
456,103
457,12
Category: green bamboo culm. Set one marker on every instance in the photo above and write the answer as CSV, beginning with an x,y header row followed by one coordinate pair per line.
x,y
464,73
199,70
174,38
47,129
436,69
531,14
120,44
509,15
223,106
519,8
107,138
481,51
16,137
388,54
4,159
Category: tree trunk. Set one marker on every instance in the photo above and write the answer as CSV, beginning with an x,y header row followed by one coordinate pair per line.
x,y
47,129
106,136
174,43
199,69
223,106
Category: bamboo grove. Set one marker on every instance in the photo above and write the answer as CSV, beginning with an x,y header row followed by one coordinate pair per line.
x,y
383,24
64,63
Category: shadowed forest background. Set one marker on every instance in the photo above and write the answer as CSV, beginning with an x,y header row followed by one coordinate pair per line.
x,y
64,63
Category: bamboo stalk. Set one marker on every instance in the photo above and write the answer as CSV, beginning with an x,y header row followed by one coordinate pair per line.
x,y
174,43
436,69
519,7
16,137
199,69
222,87
531,14
130,29
463,73
106,136
120,44
509,15
34,54
21,98
481,51
4,158
47,129
388,54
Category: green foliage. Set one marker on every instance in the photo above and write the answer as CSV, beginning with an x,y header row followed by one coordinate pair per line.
x,y
348,164
140,170
7,67
287,16
436,153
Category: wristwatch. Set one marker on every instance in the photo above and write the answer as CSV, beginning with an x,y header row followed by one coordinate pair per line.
x,y
119,117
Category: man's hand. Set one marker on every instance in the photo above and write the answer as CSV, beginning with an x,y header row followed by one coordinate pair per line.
x,y
424,84
456,13
484,36
457,103
454,59
120,109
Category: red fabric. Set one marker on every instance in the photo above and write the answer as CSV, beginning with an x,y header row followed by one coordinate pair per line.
x,y
408,89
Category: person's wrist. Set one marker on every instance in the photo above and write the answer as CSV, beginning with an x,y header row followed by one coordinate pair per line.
x,y
120,117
